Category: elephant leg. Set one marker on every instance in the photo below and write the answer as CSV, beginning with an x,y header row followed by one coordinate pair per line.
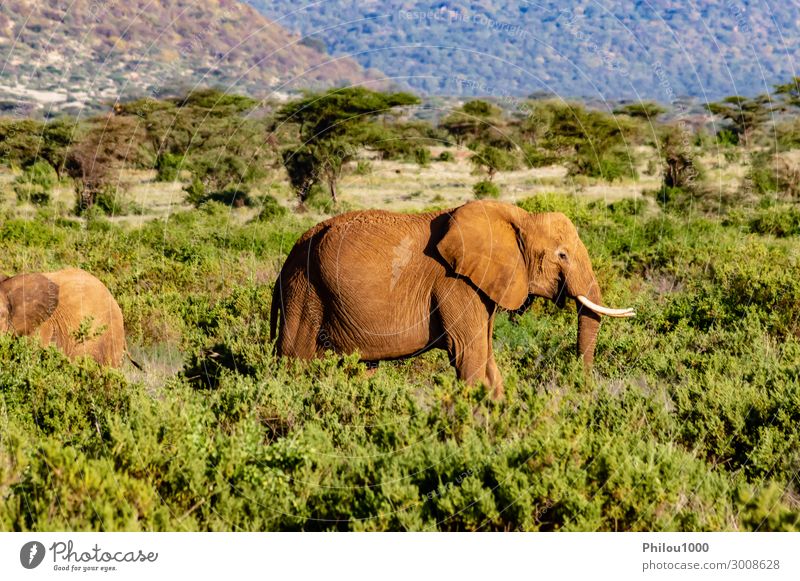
x,y
467,321
492,373
300,333
469,356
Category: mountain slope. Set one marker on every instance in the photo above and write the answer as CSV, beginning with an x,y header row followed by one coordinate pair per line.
x,y
84,50
656,49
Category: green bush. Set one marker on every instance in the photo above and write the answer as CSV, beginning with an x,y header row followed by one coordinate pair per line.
x,y
610,165
363,167
422,156
687,422
110,201
534,156
271,209
486,189
446,156
167,167
320,200
195,192
36,184
778,221
574,208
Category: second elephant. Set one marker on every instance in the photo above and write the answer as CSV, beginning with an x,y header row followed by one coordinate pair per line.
x,y
70,309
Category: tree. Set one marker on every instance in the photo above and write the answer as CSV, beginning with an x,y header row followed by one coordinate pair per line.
x,y
744,114
211,134
789,92
642,110
492,160
680,168
472,122
331,127
56,138
26,141
104,150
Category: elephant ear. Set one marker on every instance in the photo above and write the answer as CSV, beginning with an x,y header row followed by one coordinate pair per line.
x,y
32,298
481,243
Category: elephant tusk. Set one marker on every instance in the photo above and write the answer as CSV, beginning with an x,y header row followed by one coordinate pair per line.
x,y
619,313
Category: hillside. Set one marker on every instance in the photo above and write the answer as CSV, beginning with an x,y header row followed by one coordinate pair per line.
x,y
90,52
656,49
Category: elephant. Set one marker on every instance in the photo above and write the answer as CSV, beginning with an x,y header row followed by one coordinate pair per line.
x,y
69,308
391,286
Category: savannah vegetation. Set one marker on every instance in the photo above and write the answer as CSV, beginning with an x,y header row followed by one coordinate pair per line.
x,y
188,208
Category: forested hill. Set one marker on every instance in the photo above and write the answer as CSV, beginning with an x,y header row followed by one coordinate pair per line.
x,y
66,54
592,48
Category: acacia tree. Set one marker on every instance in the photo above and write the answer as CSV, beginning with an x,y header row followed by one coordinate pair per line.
x,y
109,144
331,127
492,160
744,114
473,122
26,141
642,110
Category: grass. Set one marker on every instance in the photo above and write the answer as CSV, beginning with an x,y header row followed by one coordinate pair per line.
x,y
688,421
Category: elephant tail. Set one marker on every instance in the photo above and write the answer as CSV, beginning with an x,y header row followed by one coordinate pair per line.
x,y
135,363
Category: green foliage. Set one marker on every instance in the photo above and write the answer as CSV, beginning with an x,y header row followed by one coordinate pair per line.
x,y
270,209
318,200
446,156
480,108
688,421
422,156
610,165
590,143
195,192
485,189
110,202
778,221
25,142
572,207
491,160
331,127
743,114
775,175
643,110
167,167
363,168
36,183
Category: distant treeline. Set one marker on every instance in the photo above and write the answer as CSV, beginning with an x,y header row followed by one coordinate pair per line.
x,y
219,145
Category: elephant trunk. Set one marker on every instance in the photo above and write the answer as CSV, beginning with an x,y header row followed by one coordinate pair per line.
x,y
588,326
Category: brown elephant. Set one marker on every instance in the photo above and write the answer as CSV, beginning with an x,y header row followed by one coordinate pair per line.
x,y
393,285
69,308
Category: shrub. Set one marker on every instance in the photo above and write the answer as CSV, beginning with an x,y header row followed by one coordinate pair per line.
x,y
422,156
195,192
168,166
36,184
486,189
774,174
610,165
446,156
363,167
270,209
534,156
319,200
108,200
780,221
572,207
